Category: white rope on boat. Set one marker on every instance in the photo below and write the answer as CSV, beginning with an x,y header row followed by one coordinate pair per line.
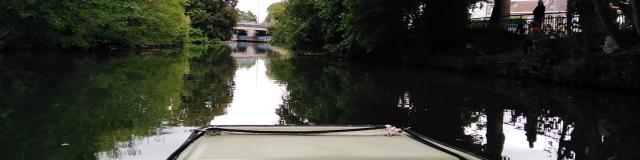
x,y
296,131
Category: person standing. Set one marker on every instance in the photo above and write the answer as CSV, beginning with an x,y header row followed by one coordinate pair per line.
x,y
535,34
538,14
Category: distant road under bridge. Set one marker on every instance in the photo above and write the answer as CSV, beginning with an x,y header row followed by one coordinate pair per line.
x,y
251,33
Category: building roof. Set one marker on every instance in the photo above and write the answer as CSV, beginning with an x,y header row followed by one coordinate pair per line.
x,y
527,6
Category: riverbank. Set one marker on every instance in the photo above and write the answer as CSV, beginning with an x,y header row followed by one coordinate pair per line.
x,y
554,60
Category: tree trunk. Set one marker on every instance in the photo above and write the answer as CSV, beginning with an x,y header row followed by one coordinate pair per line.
x,y
501,11
636,15
605,18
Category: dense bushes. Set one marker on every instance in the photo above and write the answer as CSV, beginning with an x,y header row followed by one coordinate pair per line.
x,y
351,27
118,23
92,23
215,17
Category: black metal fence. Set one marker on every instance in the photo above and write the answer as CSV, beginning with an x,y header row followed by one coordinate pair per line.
x,y
554,23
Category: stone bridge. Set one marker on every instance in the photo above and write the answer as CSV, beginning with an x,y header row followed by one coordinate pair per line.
x,y
251,32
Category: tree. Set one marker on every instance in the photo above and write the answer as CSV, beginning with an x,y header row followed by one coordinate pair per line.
x,y
369,27
215,17
439,31
299,28
501,11
247,16
275,10
93,23
635,5
601,8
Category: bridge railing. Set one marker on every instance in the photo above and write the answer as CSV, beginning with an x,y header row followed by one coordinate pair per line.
x,y
555,22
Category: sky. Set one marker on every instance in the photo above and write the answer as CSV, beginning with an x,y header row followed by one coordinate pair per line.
x,y
258,7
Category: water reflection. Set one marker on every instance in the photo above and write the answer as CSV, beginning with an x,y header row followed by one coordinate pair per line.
x,y
496,118
249,49
141,105
208,87
126,105
73,106
255,96
152,147
523,138
404,101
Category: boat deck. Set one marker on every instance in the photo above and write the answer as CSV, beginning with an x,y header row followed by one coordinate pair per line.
x,y
359,145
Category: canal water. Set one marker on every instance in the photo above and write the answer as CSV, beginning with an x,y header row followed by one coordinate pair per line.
x,y
143,104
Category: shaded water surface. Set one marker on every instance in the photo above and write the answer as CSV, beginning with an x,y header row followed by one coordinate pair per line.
x,y
142,104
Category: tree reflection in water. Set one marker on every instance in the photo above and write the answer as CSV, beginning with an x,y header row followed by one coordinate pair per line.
x,y
496,118
78,106
208,86
81,106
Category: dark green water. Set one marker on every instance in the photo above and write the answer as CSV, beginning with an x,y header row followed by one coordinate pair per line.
x,y
141,105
